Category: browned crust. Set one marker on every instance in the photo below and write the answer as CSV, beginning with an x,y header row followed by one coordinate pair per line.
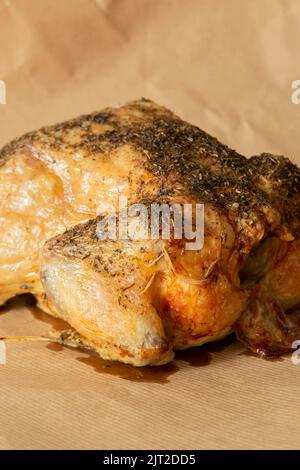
x,y
201,164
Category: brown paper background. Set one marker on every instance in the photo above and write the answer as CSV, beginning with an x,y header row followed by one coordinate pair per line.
x,y
226,66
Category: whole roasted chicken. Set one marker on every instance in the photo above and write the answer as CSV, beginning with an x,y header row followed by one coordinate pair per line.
x,y
138,300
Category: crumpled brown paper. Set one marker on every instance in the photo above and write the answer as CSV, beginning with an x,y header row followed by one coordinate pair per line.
x,y
225,66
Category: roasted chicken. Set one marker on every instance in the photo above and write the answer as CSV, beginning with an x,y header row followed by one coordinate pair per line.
x,y
139,300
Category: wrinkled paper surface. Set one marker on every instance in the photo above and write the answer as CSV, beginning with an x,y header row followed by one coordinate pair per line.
x,y
225,66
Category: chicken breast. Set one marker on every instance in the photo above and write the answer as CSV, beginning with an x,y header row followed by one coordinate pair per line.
x,y
136,300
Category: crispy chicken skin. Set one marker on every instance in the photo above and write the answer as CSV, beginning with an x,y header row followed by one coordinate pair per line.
x,y
137,301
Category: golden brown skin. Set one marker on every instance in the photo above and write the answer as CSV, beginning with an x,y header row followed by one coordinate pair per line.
x,y
107,305
137,301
